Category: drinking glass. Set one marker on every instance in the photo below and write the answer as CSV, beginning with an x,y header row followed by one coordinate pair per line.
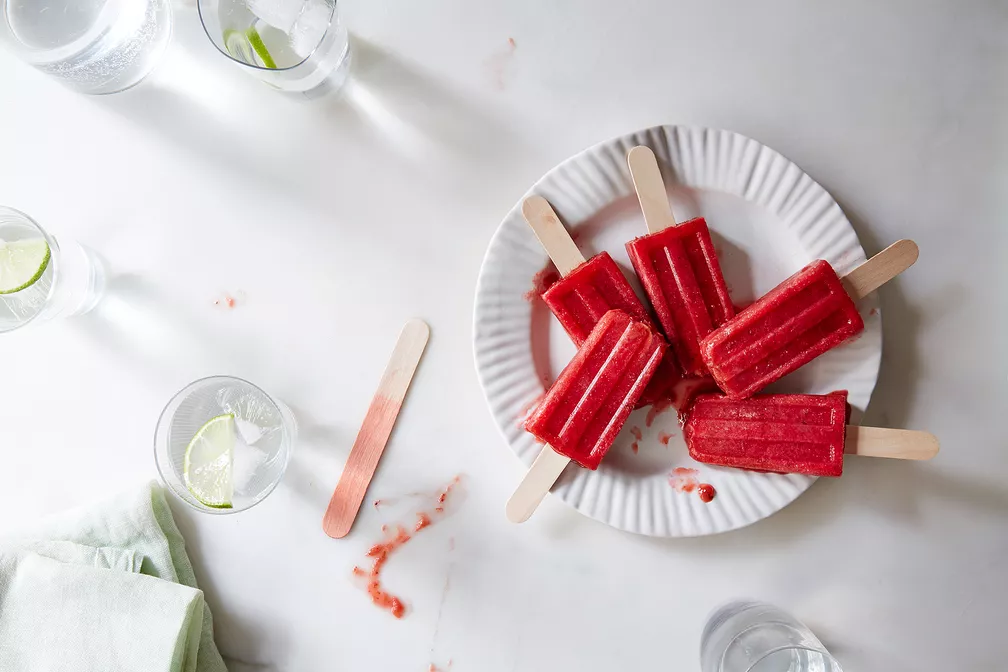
x,y
93,46
70,282
297,46
759,637
265,432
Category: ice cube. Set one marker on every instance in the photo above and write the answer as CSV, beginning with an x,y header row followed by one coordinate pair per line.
x,y
310,27
280,14
248,431
246,461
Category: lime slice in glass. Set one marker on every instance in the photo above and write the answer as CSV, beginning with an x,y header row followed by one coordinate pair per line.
x,y
209,462
22,263
248,47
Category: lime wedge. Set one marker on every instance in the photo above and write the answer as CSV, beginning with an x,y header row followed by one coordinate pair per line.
x,y
209,462
260,48
248,47
22,263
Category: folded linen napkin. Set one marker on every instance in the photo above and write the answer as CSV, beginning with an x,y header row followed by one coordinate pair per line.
x,y
106,588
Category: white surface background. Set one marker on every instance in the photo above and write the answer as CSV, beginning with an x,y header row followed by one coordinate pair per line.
x,y
340,220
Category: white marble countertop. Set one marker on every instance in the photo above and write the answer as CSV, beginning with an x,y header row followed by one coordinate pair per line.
x,y
338,220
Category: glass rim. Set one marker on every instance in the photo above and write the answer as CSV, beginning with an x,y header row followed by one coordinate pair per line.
x,y
184,496
44,55
213,40
53,260
794,647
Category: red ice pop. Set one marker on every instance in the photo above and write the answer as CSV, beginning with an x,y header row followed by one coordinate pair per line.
x,y
590,289
588,404
809,313
791,433
677,266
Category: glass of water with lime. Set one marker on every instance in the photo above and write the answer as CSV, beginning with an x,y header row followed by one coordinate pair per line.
x,y
296,46
41,278
222,444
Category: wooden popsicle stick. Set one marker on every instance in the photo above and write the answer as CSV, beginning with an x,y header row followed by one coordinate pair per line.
x,y
880,269
551,234
901,444
375,430
537,482
650,188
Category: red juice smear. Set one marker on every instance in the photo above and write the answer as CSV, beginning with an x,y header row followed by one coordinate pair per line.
x,y
663,438
657,409
707,492
380,553
683,479
638,435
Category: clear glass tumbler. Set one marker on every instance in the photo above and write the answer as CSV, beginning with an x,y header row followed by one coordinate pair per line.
x,y
297,46
41,278
222,444
759,637
94,46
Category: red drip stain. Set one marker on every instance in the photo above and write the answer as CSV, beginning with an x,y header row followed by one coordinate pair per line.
x,y
542,281
707,492
497,65
683,479
663,438
873,311
230,300
380,553
638,435
657,409
435,668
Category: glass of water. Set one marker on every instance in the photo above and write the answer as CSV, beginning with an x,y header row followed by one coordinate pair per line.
x,y
298,46
41,278
222,444
94,46
759,637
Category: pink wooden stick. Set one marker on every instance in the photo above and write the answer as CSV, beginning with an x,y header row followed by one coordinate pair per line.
x,y
375,430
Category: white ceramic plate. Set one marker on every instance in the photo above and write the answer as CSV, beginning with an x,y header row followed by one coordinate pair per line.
x,y
768,219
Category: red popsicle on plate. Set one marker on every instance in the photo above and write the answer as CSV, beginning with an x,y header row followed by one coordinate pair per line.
x,y
677,266
809,313
586,407
590,289
791,434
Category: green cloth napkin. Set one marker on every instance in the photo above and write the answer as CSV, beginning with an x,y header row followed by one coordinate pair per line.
x,y
107,588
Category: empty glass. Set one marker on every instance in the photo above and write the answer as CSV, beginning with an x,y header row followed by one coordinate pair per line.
x,y
759,637
94,46
222,444
296,46
41,278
